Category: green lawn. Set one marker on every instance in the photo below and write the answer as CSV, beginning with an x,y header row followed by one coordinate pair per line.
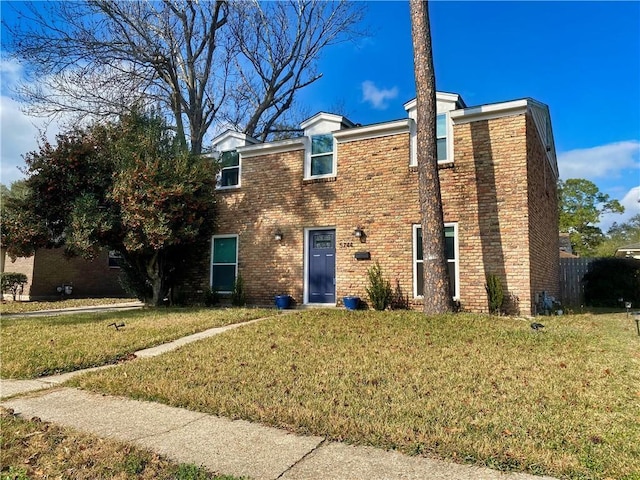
x,y
38,346
473,389
10,307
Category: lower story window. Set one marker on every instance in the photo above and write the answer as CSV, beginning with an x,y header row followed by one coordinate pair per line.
x,y
224,262
451,252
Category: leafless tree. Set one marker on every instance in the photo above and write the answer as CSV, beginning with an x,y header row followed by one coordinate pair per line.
x,y
202,63
437,297
279,44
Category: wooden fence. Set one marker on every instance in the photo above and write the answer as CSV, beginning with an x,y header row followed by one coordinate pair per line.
x,y
572,271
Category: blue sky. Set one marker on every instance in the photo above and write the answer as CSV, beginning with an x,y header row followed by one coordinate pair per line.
x,y
582,59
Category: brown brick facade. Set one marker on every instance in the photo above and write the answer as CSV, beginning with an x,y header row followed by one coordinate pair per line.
x,y
48,269
499,191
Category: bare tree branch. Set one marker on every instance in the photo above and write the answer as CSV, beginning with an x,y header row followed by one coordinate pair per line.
x,y
201,63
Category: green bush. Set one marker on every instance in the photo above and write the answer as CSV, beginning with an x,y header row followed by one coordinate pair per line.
x,y
12,282
379,289
211,298
238,295
609,279
495,293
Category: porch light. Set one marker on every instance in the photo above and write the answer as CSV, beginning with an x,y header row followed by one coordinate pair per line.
x,y
278,236
358,233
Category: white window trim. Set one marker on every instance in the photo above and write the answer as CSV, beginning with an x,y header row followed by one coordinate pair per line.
x,y
211,259
413,141
456,260
239,167
307,159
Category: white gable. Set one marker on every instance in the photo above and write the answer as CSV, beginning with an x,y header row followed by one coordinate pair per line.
x,y
445,102
324,123
231,140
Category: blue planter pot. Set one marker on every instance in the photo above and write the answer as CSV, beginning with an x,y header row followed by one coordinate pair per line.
x,y
351,303
283,301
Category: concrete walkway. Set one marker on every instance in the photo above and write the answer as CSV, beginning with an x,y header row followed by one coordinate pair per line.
x,y
232,447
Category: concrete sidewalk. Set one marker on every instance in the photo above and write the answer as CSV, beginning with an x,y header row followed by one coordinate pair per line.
x,y
232,447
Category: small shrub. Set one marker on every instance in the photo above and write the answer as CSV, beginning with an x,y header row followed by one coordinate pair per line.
x,y
379,289
211,298
511,304
12,282
238,295
495,293
179,297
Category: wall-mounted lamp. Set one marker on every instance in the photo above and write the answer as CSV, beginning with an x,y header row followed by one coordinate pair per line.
x,y
278,236
358,233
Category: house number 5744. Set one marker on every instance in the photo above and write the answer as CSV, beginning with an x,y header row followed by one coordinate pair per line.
x,y
346,244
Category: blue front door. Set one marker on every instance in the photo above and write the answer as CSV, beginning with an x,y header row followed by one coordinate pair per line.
x,y
322,266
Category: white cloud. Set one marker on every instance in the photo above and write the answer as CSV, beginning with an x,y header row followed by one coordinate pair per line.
x,y
17,137
11,72
618,162
19,133
377,97
631,204
605,161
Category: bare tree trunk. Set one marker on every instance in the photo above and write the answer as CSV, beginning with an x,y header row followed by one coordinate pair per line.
x,y
155,271
437,297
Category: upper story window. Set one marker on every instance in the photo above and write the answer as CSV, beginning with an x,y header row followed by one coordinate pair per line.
x,y
321,156
441,137
444,143
321,159
446,104
229,175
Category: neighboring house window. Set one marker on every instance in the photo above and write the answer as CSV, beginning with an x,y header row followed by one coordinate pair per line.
x,y
224,262
444,145
451,252
114,259
321,161
229,175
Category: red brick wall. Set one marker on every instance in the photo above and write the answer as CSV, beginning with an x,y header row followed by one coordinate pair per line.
x,y
485,191
544,240
48,269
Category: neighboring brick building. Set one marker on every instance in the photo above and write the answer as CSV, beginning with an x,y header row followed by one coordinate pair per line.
x,y
49,269
288,210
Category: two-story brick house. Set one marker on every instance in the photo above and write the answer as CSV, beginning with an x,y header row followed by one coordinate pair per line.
x,y
308,216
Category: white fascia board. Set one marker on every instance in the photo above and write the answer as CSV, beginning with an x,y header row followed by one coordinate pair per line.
x,y
281,146
488,112
373,131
